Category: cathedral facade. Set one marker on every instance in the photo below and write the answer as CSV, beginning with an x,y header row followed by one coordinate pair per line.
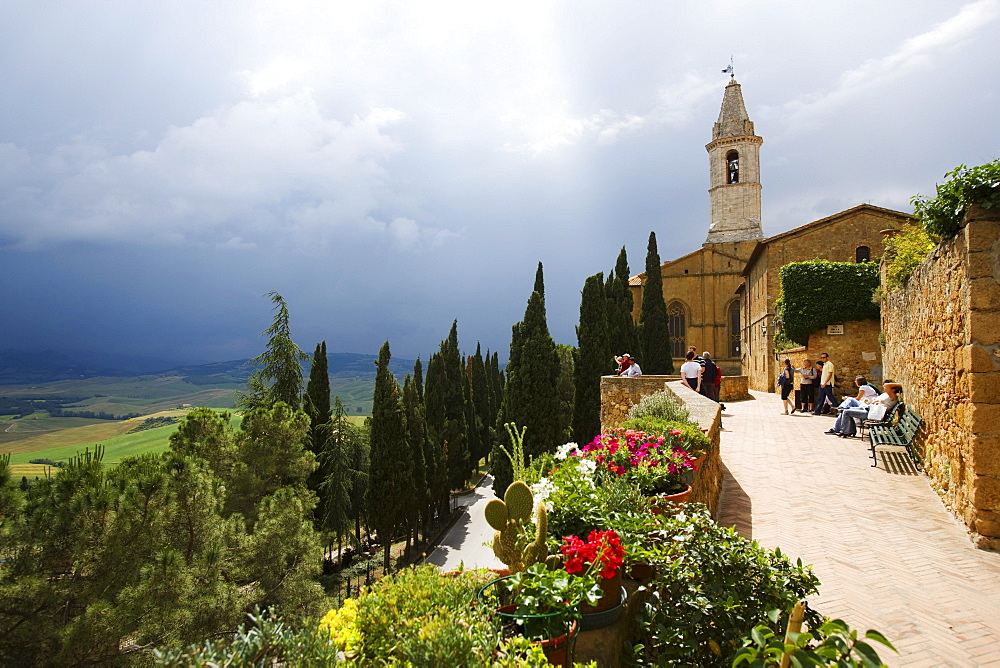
x,y
720,298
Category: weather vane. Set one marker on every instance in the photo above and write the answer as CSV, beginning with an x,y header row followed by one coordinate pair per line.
x,y
729,70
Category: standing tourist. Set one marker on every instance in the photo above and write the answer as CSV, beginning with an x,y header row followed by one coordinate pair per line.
x,y
691,372
708,375
825,384
807,385
786,381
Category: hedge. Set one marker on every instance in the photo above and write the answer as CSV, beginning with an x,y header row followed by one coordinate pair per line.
x,y
818,293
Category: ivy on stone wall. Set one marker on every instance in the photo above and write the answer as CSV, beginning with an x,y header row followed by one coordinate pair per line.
x,y
942,215
818,293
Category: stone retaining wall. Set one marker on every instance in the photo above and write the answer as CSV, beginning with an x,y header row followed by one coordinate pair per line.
x,y
619,394
942,336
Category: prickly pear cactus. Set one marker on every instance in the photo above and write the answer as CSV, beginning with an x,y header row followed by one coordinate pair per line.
x,y
510,519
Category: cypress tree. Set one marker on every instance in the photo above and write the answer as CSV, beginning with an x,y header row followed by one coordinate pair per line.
x,y
416,437
567,390
480,400
654,336
622,336
539,281
594,359
447,422
530,396
317,406
387,479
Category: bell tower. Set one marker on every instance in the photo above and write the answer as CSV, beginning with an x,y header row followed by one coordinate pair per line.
x,y
734,164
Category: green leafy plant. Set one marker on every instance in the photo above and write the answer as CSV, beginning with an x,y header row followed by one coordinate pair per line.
x,y
660,405
711,587
834,643
942,215
903,253
692,437
818,293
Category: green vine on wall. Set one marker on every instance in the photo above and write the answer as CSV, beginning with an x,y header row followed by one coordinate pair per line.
x,y
942,215
903,253
818,293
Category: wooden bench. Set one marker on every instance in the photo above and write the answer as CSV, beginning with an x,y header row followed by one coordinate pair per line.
x,y
886,421
895,437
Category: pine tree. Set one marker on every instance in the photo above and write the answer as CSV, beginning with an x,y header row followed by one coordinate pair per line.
x,y
341,438
654,336
594,358
280,375
386,481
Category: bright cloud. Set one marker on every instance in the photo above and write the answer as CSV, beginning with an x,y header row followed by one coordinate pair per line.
x,y
274,171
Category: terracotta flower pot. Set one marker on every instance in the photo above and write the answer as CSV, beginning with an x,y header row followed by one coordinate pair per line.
x,y
611,596
556,649
639,571
664,501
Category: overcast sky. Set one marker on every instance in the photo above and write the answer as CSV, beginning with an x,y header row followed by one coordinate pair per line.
x,y
391,167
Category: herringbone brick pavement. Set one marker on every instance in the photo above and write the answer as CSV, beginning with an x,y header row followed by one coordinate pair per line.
x,y
888,553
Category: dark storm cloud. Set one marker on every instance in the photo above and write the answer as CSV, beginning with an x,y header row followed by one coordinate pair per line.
x,y
390,167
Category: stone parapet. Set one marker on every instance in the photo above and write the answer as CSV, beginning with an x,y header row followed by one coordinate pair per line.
x,y
942,336
620,394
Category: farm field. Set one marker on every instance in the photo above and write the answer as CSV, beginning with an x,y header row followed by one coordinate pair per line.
x,y
47,439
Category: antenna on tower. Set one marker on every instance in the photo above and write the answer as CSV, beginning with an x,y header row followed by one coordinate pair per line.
x,y
729,70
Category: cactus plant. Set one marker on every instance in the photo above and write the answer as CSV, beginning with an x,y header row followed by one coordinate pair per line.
x,y
509,518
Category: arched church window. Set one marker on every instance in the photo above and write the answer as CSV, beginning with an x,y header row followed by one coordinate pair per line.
x,y
732,167
734,329
862,254
676,321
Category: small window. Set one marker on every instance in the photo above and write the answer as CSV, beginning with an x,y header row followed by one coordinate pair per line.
x,y
732,167
734,329
863,254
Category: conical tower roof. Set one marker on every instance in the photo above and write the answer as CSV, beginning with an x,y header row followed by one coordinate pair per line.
x,y
733,118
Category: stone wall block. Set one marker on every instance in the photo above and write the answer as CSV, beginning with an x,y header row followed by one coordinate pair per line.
x,y
986,492
982,230
987,523
984,294
983,418
983,265
977,358
984,387
984,327
985,455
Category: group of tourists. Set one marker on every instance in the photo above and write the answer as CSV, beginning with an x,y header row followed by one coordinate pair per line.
x,y
812,378
867,405
627,367
701,374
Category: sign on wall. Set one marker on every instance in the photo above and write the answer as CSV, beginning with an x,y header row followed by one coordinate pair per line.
x,y
834,329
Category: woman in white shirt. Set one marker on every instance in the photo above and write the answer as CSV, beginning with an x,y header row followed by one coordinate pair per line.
x,y
691,372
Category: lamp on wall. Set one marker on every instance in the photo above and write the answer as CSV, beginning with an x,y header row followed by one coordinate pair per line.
x,y
763,329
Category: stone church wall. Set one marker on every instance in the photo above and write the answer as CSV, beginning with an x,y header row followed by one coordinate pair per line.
x,y
942,335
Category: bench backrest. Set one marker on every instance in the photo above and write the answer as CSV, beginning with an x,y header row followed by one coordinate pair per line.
x,y
909,423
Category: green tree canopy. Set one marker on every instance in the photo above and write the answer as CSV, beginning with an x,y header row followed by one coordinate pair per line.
x,y
279,377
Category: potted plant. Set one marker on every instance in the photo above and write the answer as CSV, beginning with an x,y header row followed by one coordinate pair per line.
x,y
601,555
543,605
656,464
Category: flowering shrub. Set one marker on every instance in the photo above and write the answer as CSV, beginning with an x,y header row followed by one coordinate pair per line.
x,y
655,463
603,551
341,626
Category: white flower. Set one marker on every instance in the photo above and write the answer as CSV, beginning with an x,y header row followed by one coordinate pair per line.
x,y
588,466
565,450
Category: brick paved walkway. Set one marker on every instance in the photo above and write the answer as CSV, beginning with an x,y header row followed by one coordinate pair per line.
x,y
889,555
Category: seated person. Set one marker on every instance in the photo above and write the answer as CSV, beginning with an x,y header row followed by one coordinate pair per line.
x,y
867,408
